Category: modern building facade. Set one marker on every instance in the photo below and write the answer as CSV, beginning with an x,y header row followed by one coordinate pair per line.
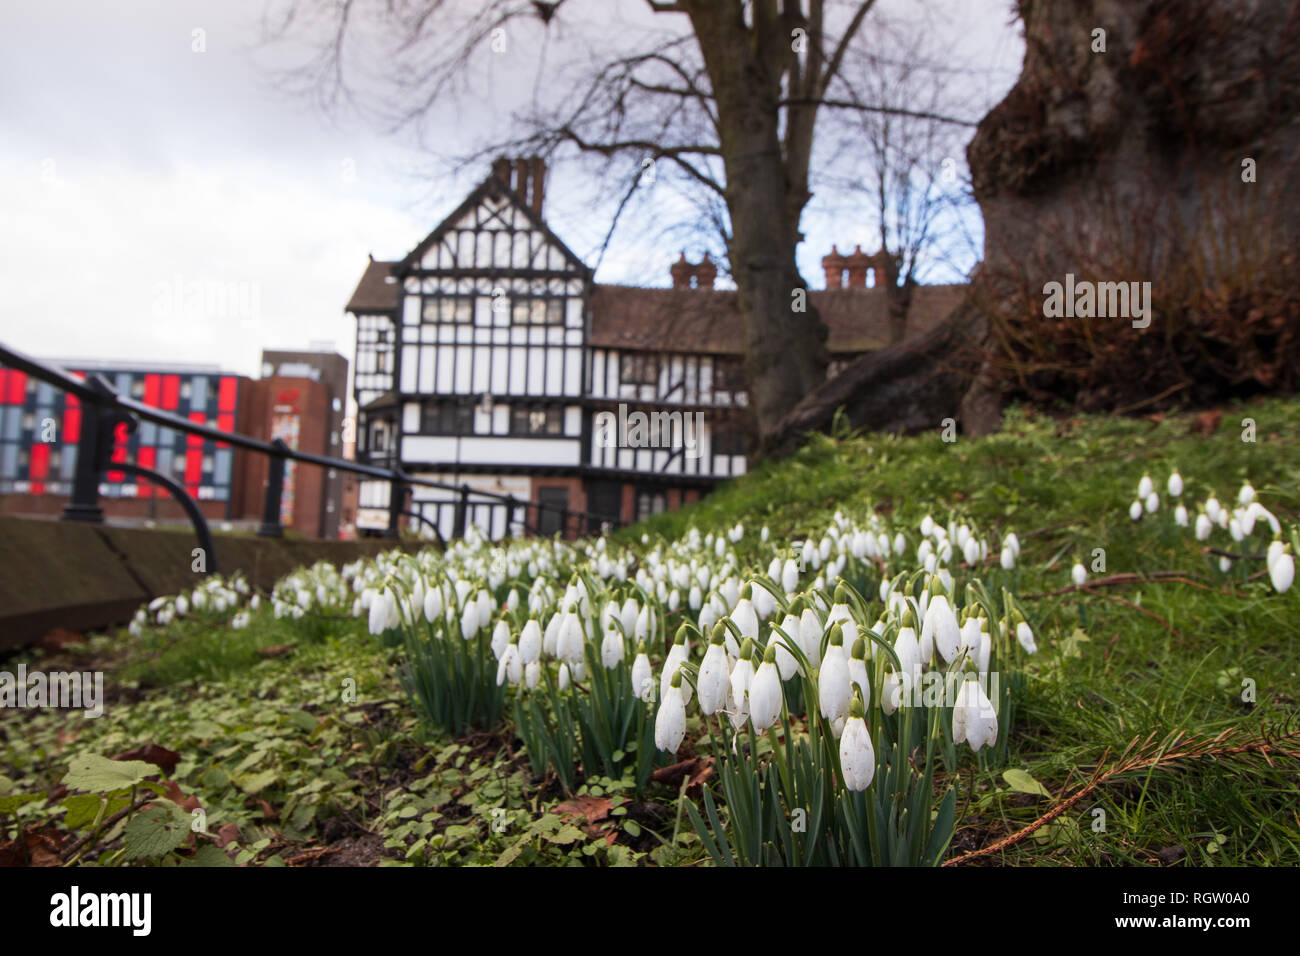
x,y
489,357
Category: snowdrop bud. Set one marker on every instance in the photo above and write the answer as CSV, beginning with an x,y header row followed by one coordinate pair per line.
x,y
1008,559
628,615
645,621
1152,502
1026,636
742,678
1246,495
765,692
971,551
469,622
670,721
378,614
509,667
530,642
1013,542
1135,510
563,682
940,629
1281,571
551,638
1145,486
786,662
810,637
1213,508
1078,574
1203,526
1180,516
858,676
501,640
1234,528
833,688
973,719
512,600
674,600
433,604
611,648
927,525
1175,484
790,576
1225,565
857,755
677,655
899,543
714,678
642,677
485,607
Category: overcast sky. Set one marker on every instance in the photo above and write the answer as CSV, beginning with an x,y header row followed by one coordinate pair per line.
x,y
133,167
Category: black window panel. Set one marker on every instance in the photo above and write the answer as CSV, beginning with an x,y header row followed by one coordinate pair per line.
x,y
535,311
457,309
536,420
447,418
549,520
650,502
605,502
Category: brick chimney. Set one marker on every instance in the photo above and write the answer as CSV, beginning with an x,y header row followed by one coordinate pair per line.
x,y
858,263
681,271
834,265
705,273
693,275
525,176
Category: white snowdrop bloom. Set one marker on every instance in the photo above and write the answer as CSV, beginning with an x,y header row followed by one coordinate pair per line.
x,y
730,593
764,603
900,543
562,683
858,676
882,545
238,622
532,674
569,645
907,647
940,628
469,621
765,696
1175,484
786,662
551,636
970,634
677,655
923,551
181,606
962,536
1246,495
841,615
973,718
1225,565
833,688
1246,520
1079,574
378,614
927,525
1262,512
891,693
742,678
985,652
708,617
628,614
530,641
736,533
674,600
714,680
1234,529
790,576
695,599
1152,502
1135,510
645,623
611,648
1222,520
509,666
1281,572
1013,542
763,533
1008,559
1203,526
774,568
1025,635
1213,508
256,602
931,562
642,677
1180,516
501,640
810,637
512,600
720,547
462,589
1146,486
971,552
857,755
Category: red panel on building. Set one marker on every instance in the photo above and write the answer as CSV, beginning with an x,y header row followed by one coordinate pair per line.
x,y
229,389
40,461
152,389
193,468
171,391
71,422
3,391
16,391
196,441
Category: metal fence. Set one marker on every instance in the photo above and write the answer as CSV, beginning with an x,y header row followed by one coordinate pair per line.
x,y
103,410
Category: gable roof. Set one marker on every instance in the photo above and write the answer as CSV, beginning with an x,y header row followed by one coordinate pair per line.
x,y
492,186
378,290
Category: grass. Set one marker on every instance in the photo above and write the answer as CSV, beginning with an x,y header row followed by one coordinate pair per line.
x,y
1117,665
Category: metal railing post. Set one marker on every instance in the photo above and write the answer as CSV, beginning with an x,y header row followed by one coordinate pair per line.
x,y
270,526
84,504
396,505
462,507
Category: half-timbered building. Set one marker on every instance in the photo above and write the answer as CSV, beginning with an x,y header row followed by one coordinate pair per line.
x,y
488,357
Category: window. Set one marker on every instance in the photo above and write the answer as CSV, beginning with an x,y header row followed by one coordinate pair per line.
x,y
728,375
537,312
137,388
446,418
536,420
639,370
459,309
550,520
729,441
650,503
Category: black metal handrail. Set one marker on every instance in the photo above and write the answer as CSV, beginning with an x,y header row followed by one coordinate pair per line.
x,y
103,410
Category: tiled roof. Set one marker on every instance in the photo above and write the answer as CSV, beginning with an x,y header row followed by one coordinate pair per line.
x,y
374,292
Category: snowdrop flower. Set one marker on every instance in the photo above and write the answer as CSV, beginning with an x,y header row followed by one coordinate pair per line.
x,y
1180,516
1246,520
1008,558
510,667
1078,574
1213,508
501,640
563,682
1152,502
786,662
1281,572
695,598
1013,542
1145,486
678,654
1135,510
940,629
628,615
1203,526
742,679
973,718
927,525
670,722
790,576
810,637
857,755
1246,495
569,645
433,604
532,674
833,687
858,676
1225,564
378,613
1175,484
971,551
714,678
1025,635
469,622
611,648
530,642
765,692
643,685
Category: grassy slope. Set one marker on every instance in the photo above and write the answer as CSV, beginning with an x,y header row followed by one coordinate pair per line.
x,y
1064,486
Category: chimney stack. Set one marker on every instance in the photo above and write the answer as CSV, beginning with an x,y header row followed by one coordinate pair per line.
x,y
525,176
834,265
858,264
693,275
